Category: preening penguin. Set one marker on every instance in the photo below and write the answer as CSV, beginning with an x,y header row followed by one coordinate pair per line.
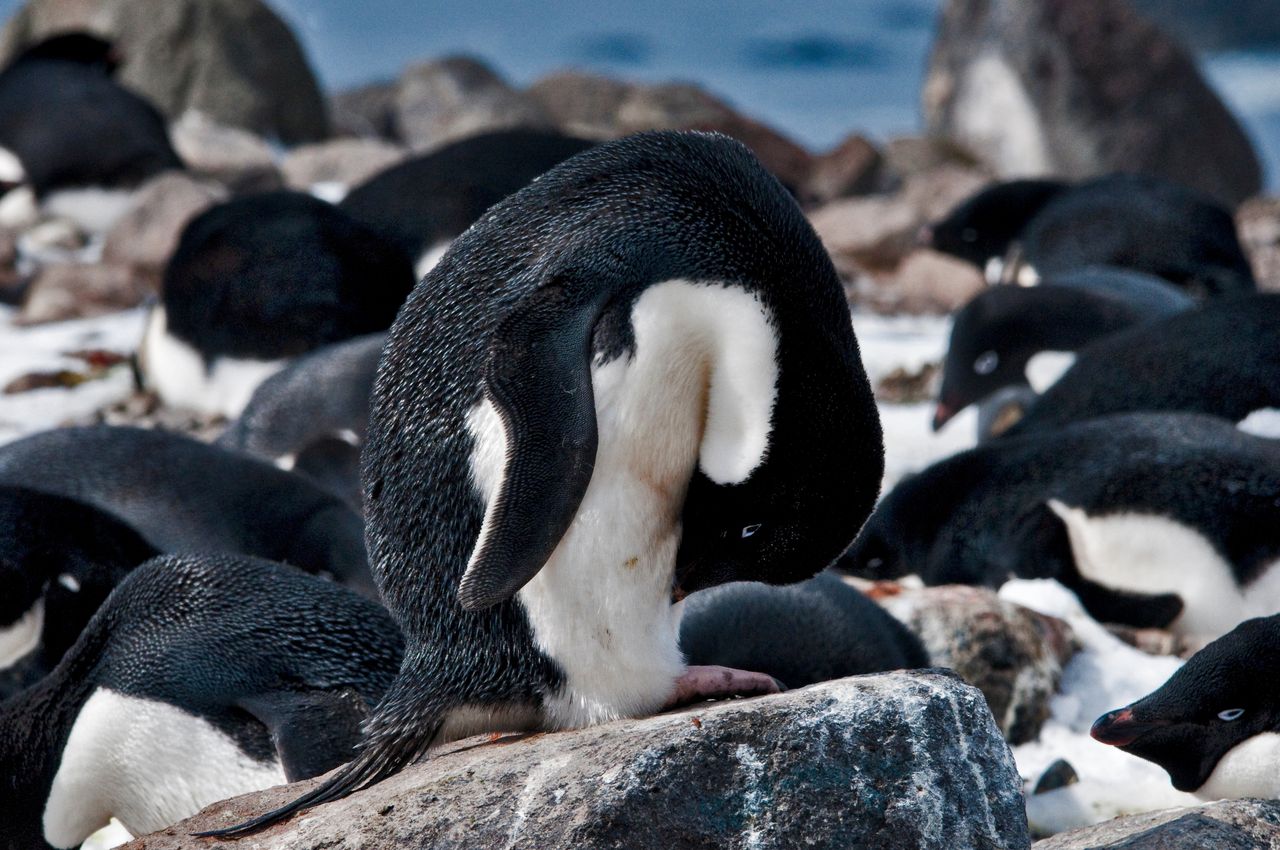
x,y
1215,725
258,280
1161,520
201,677
425,202
186,496
59,559
634,378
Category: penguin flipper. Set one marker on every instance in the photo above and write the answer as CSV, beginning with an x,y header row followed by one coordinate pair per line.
x,y
313,731
539,380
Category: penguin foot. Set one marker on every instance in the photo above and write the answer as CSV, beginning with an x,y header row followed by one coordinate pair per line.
x,y
699,683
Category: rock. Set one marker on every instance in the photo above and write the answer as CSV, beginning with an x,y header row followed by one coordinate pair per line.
x,y
910,386
853,167
145,237
77,291
233,60
1081,89
582,104
898,760
235,158
1258,221
449,99
12,280
346,162
924,283
1225,825
144,410
1060,774
1012,654
912,155
367,112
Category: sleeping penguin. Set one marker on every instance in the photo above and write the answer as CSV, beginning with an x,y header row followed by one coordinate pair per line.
x,y
1015,336
1153,520
59,559
256,281
185,496
201,677
312,415
77,139
814,631
633,379
1223,359
1215,725
423,203
1025,230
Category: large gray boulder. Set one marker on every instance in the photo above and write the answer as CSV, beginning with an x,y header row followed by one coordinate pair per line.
x,y
898,760
1080,89
232,60
1225,825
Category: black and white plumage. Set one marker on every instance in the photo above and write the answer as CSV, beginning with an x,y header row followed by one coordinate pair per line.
x,y
256,281
1009,335
1025,230
186,496
1215,725
59,559
200,677
813,631
422,204
634,378
1152,519
71,133
1222,359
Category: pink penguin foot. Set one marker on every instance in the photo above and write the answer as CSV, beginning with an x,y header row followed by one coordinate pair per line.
x,y
713,682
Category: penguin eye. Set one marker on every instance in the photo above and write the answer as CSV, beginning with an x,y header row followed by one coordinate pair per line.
x,y
986,363
750,530
875,563
1230,714
969,234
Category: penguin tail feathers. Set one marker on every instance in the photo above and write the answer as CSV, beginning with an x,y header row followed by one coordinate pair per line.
x,y
382,756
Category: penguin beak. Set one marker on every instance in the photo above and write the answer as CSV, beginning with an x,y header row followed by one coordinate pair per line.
x,y
1119,729
942,414
924,236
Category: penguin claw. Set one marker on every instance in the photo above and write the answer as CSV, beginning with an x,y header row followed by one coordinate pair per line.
x,y
699,683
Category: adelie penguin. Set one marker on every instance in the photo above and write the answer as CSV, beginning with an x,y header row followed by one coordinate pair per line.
x,y
1222,359
1024,230
1153,520
182,495
1215,725
633,379
201,677
256,281
1014,336
424,203
77,140
59,559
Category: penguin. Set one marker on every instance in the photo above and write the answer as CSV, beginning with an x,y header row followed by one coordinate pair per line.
x,y
800,634
1153,520
1011,335
312,415
200,677
59,559
74,137
1024,231
1215,725
256,281
1223,359
633,379
423,203
182,495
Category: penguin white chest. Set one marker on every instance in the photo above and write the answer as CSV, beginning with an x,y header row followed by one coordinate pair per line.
x,y
698,391
147,763
1249,769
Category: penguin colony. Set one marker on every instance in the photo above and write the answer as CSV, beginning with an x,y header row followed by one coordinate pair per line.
x,y
627,375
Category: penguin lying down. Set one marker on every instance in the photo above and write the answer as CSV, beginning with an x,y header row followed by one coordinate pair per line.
x,y
59,559
201,677
1153,520
1215,725
632,379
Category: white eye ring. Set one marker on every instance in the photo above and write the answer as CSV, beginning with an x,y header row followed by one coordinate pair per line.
x,y
986,363
875,563
750,530
1230,714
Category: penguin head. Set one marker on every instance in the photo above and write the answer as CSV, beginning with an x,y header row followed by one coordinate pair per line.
x,y
877,553
1222,697
987,224
82,48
